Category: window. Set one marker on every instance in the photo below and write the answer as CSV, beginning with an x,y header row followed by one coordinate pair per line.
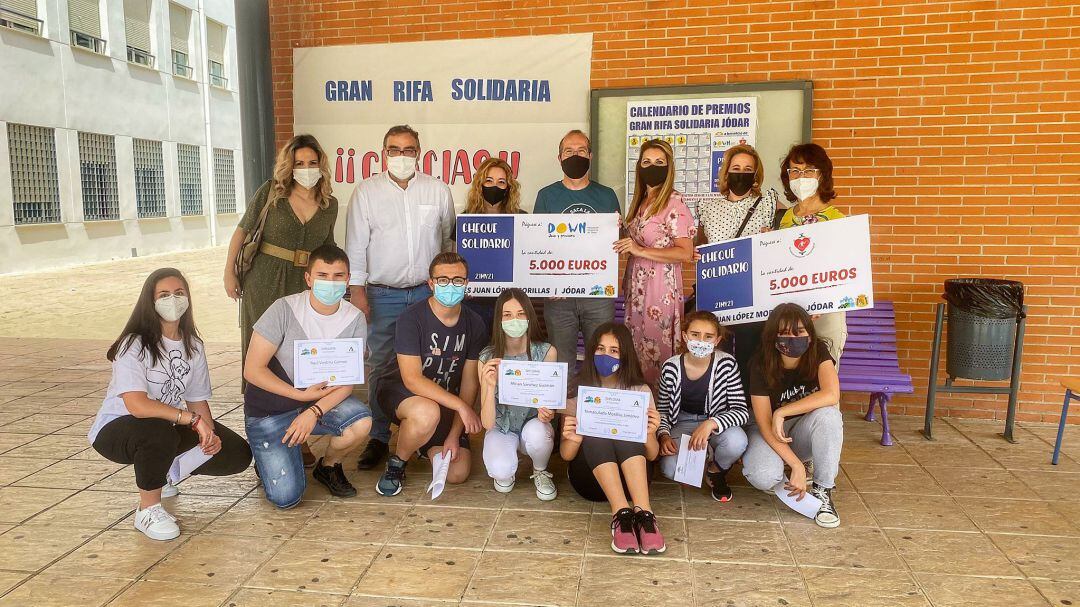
x,y
84,21
34,184
190,170
20,15
224,181
137,31
97,166
149,178
179,30
215,50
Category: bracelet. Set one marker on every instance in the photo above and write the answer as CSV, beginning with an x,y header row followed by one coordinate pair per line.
x,y
318,411
179,414
195,419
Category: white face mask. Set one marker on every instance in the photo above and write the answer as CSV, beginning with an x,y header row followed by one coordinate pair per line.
x,y
804,187
401,167
171,307
307,177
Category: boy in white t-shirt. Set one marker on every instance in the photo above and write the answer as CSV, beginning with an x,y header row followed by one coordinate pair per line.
x,y
279,417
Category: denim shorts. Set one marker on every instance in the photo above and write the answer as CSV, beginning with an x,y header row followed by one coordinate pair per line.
x,y
282,467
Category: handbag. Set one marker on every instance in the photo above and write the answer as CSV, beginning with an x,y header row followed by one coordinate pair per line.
x,y
253,239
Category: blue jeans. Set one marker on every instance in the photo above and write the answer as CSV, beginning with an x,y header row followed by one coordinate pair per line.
x,y
727,446
386,305
282,467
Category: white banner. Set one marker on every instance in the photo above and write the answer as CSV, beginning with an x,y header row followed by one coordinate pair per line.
x,y
470,100
699,132
565,255
824,267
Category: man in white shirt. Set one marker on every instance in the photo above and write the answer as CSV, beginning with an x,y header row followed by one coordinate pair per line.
x,y
398,221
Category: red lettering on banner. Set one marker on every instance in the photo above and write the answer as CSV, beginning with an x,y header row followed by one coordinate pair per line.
x,y
450,166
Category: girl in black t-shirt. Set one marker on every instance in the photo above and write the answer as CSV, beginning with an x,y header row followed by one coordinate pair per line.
x,y
795,394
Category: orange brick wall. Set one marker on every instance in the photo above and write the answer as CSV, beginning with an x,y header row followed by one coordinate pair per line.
x,y
956,125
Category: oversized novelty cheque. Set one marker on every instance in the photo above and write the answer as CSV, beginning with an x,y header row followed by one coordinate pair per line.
x,y
824,267
564,255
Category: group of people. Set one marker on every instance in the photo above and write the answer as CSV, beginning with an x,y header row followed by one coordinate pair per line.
x,y
766,393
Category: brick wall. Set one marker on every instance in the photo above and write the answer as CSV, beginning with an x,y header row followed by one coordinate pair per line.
x,y
954,124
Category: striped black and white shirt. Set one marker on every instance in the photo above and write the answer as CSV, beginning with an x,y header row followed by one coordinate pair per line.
x,y
725,403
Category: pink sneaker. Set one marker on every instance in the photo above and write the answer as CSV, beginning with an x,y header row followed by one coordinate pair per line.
x,y
649,537
623,538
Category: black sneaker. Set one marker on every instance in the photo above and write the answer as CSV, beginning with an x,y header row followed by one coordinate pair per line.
x,y
826,515
393,479
334,479
372,454
718,481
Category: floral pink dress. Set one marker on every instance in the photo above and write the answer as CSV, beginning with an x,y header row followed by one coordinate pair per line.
x,y
655,289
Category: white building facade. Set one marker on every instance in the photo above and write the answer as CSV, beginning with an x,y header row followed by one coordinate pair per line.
x,y
106,108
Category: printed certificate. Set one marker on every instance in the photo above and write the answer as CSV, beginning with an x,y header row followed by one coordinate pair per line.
x,y
339,362
532,384
617,414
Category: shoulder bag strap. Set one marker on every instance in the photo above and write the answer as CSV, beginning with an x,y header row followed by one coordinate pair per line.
x,y
749,214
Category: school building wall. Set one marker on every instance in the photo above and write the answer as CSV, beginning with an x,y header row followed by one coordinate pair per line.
x,y
953,124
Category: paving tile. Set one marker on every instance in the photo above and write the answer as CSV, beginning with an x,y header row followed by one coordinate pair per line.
x,y
69,474
30,547
48,590
950,552
54,446
741,542
533,579
149,593
350,522
961,591
904,511
97,509
20,503
886,478
114,554
1060,594
1017,516
207,559
260,518
608,580
532,531
302,565
851,587
747,504
673,529
258,597
841,547
15,468
420,573
972,482
1057,558
741,585
11,440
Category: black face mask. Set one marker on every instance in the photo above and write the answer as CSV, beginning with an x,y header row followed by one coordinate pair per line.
x,y
575,166
493,195
654,174
740,183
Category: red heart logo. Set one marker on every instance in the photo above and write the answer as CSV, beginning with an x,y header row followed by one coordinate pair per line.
x,y
801,243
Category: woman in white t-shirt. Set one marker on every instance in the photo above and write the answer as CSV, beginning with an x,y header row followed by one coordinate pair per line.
x,y
156,408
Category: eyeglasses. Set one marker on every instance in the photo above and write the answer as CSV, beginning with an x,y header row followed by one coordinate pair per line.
x,y
443,281
808,172
395,151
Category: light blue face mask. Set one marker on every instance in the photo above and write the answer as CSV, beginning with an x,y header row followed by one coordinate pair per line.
x,y
329,292
449,295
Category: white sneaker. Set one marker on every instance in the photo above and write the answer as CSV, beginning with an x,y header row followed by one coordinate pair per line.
x,y
504,486
157,523
545,485
169,490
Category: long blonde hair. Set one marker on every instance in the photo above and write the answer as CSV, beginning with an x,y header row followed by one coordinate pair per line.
x,y
283,170
474,200
663,193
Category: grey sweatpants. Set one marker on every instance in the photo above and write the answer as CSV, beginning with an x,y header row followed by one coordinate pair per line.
x,y
565,317
817,435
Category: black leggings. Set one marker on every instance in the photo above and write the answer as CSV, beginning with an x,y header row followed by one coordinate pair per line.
x,y
152,444
594,452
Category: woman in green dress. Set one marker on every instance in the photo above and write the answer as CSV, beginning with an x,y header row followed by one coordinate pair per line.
x,y
301,218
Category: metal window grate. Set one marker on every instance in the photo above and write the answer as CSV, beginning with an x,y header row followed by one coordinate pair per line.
x,y
97,163
149,178
190,170
224,181
34,184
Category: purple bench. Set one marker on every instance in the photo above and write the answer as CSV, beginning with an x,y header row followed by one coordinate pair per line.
x,y
870,363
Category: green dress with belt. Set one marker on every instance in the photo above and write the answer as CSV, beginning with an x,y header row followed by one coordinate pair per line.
x,y
271,278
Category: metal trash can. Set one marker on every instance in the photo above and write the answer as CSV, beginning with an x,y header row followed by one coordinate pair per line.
x,y
983,316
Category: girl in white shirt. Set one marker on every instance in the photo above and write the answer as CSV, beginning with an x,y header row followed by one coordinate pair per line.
x,y
156,406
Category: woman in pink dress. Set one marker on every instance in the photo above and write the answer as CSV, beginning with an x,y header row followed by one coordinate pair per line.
x,y
661,238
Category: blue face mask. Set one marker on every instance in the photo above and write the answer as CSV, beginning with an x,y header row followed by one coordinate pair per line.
x,y
605,365
329,292
449,295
